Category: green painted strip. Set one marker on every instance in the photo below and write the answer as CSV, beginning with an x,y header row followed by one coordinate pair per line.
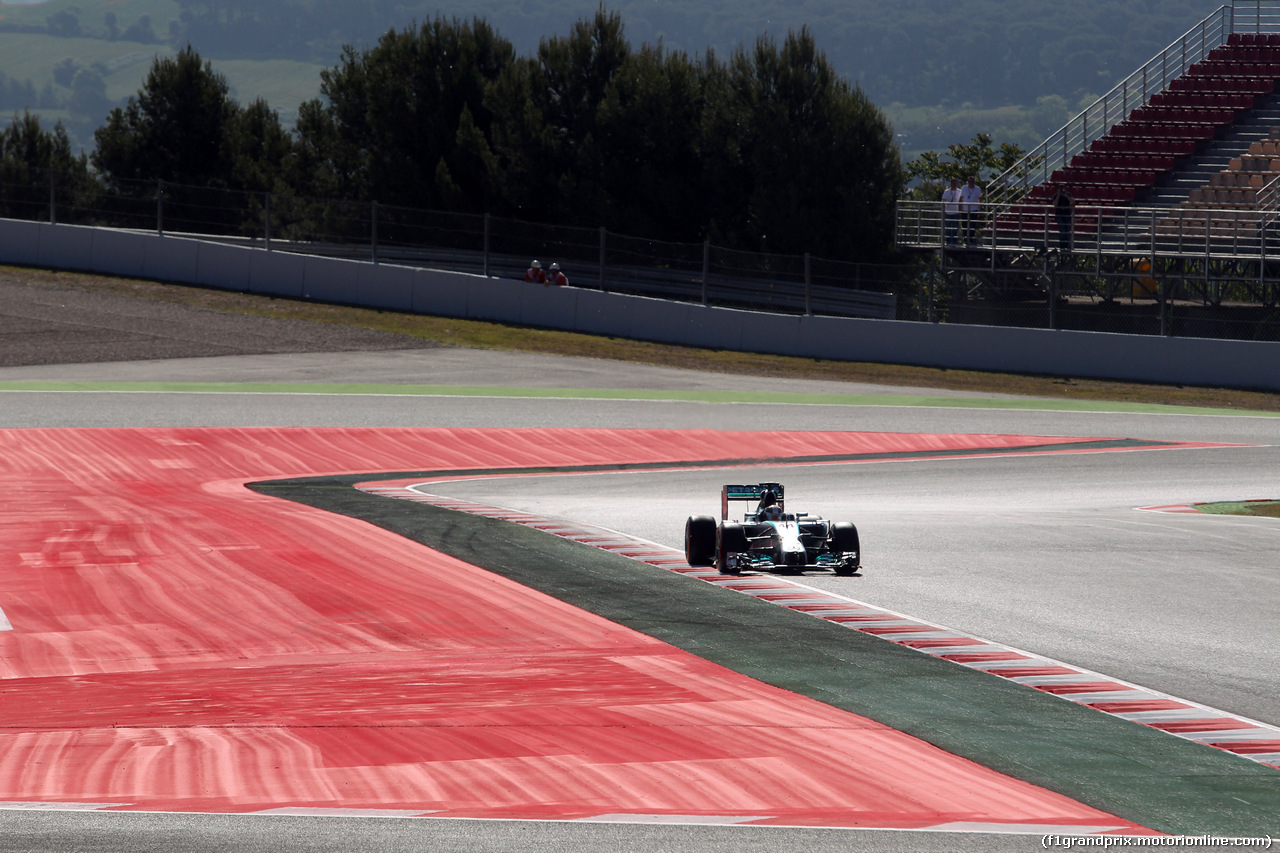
x,y
743,397
1267,508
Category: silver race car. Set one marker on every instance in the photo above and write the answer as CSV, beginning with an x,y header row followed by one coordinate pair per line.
x,y
770,538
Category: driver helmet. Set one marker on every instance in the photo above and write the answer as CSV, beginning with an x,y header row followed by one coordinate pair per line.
x,y
769,508
555,267
537,265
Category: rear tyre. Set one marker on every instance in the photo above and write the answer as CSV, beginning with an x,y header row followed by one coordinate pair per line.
x,y
730,539
700,540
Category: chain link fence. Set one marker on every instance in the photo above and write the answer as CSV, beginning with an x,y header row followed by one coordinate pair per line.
x,y
1130,270
472,243
1134,311
1032,286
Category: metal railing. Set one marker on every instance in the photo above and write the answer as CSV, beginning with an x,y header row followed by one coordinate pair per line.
x,y
1255,16
475,243
1131,231
1268,199
1196,272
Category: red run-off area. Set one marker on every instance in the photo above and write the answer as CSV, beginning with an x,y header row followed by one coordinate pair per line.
x,y
177,642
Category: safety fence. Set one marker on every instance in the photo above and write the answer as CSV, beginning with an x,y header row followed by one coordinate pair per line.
x,y
1174,271
476,243
1201,232
1211,283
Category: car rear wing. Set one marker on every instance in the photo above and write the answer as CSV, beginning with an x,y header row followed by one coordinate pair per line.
x,y
748,493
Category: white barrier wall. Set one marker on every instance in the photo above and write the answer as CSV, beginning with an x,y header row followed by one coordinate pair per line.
x,y
1186,361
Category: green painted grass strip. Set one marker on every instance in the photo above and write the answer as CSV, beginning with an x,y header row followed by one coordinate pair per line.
x,y
697,396
1267,508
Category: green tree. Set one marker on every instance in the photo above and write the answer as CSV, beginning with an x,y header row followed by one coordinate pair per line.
x,y
16,94
770,151
31,160
728,175
1050,113
546,134
173,129
184,129
649,129
140,31
467,178
979,158
825,170
89,95
65,71
65,24
396,113
257,148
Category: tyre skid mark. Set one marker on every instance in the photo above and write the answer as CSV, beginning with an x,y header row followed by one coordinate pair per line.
x,y
1182,718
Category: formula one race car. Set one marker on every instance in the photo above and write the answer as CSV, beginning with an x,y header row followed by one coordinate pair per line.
x,y
770,538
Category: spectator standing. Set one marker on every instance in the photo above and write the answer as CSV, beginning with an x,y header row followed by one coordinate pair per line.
x,y
556,277
951,211
970,204
1062,214
535,273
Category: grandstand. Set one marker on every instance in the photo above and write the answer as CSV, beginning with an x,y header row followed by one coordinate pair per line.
x,y
1171,208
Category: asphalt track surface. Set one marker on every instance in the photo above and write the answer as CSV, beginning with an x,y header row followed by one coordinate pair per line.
x,y
1046,553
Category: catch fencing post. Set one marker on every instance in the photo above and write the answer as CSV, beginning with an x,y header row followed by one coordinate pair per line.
x,y
706,267
1262,263
1163,289
486,245
1053,293
602,248
160,208
373,234
808,304
266,220
929,283
53,197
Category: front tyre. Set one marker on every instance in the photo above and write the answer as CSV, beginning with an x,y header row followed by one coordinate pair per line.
x,y
846,547
700,540
730,539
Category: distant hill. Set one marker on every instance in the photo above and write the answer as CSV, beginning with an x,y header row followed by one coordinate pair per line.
x,y
940,70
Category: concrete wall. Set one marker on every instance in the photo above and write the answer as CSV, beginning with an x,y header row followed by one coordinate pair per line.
x,y
1188,361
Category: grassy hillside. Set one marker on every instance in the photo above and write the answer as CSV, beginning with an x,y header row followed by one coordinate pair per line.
x,y
28,56
283,83
92,13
